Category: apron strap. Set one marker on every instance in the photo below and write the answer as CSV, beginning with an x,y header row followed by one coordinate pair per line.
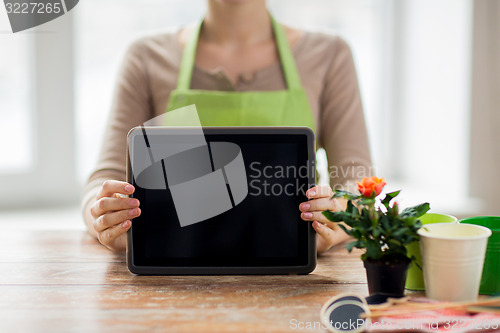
x,y
288,66
188,58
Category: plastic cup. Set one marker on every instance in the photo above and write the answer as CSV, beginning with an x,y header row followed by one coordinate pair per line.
x,y
453,258
415,277
490,280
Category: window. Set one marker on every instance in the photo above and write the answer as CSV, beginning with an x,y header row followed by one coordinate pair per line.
x,y
430,104
15,100
36,76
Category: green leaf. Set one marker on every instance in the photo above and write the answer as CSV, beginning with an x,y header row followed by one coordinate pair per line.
x,y
415,211
389,197
421,209
409,221
394,210
411,239
418,224
338,194
339,217
345,195
394,242
350,246
355,232
373,250
384,221
349,232
351,209
366,202
400,232
400,251
332,216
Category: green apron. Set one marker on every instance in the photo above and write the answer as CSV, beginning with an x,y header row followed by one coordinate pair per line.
x,y
227,108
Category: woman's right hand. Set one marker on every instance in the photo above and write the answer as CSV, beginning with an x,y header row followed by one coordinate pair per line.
x,y
112,214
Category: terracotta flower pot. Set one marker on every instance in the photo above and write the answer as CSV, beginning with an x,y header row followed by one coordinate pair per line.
x,y
386,278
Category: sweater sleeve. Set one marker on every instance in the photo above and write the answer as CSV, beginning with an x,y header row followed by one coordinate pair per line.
x,y
342,128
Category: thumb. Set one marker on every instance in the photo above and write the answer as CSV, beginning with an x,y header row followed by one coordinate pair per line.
x,y
326,237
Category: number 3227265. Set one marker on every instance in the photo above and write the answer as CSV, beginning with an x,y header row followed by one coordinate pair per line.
x,y
33,8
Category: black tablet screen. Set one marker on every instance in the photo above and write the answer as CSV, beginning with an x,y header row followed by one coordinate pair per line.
x,y
264,229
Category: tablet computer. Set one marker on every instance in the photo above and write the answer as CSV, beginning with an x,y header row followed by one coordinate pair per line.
x,y
221,200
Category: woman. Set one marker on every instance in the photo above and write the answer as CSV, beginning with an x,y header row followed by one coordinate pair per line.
x,y
239,51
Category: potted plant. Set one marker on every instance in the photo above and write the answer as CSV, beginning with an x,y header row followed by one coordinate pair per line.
x,y
378,227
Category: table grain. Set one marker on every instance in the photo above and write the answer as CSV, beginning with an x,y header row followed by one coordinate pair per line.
x,y
64,281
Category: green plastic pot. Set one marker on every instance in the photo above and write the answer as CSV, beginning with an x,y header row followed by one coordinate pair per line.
x,y
415,276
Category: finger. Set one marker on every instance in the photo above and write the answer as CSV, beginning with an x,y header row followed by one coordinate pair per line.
x,y
110,187
108,236
316,216
320,204
109,220
326,237
319,191
107,204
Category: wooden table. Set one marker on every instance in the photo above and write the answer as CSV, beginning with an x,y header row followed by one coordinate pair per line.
x,y
64,281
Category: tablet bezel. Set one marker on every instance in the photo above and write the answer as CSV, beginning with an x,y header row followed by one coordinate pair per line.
x,y
229,270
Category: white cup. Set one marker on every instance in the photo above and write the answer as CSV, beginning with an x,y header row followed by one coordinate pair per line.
x,y
453,258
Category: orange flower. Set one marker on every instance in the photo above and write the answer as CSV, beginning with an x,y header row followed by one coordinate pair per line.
x,y
371,187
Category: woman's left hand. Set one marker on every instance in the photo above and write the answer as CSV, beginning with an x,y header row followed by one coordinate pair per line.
x,y
320,200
